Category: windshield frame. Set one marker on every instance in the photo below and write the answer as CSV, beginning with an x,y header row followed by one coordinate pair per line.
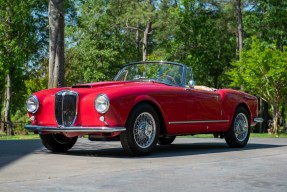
x,y
183,76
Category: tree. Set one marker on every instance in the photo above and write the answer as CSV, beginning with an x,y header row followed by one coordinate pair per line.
x,y
140,17
165,26
99,45
267,20
203,40
264,73
239,26
19,27
56,43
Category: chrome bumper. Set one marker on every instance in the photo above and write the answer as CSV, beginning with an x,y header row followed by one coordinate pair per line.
x,y
258,120
75,129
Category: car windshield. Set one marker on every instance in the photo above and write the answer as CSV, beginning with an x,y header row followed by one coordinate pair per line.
x,y
168,73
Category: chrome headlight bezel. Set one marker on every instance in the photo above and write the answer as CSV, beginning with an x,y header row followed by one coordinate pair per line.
x,y
34,102
102,103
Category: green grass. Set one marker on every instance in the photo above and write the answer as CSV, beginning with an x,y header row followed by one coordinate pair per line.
x,y
19,137
253,135
267,135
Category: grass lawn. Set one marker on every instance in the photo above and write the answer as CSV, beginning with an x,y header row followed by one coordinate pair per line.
x,y
19,137
253,135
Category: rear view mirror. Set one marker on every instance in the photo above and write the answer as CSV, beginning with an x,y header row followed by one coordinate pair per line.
x,y
191,84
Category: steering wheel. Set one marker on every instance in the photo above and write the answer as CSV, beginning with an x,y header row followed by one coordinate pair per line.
x,y
169,79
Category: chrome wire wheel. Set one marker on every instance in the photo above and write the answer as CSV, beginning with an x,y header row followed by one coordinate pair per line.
x,y
238,134
144,130
241,127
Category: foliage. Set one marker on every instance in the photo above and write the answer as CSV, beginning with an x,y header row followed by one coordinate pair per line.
x,y
97,44
266,20
203,40
21,23
262,71
103,35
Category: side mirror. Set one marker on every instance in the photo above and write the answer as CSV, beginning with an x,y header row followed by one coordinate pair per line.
x,y
191,84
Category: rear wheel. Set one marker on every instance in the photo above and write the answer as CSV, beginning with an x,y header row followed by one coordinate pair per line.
x,y
166,140
57,142
239,132
142,132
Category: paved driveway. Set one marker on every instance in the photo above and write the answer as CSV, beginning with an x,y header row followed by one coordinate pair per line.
x,y
190,164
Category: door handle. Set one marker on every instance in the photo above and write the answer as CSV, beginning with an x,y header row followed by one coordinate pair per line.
x,y
215,96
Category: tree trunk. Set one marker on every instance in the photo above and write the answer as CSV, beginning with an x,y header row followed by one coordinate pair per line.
x,y
239,27
216,81
276,113
56,43
137,44
145,41
239,32
7,106
2,129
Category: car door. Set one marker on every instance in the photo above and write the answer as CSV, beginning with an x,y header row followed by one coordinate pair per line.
x,y
204,111
203,105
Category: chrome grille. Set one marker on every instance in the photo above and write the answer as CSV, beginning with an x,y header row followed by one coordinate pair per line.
x,y
66,108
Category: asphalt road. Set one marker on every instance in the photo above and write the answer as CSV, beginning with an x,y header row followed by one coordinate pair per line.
x,y
190,164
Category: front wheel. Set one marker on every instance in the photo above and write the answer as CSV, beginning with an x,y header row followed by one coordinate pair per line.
x,y
239,132
142,132
57,142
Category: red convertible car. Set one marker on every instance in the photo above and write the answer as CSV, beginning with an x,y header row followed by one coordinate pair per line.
x,y
148,103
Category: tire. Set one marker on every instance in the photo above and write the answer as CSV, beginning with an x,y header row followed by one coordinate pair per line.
x,y
142,132
57,142
166,140
239,131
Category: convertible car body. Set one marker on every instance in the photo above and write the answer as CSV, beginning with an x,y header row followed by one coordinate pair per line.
x,y
148,103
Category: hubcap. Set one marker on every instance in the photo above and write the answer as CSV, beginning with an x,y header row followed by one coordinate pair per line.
x,y
241,127
144,130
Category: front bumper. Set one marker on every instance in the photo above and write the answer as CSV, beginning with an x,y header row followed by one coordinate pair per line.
x,y
75,129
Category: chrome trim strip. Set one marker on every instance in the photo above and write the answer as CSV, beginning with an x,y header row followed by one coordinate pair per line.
x,y
258,120
75,129
194,122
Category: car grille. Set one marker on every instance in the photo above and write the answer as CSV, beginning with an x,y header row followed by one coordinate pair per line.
x,y
66,108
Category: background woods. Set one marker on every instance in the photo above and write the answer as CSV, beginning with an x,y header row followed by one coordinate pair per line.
x,y
228,43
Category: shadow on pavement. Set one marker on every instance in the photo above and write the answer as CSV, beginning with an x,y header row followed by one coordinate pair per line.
x,y
173,150
13,150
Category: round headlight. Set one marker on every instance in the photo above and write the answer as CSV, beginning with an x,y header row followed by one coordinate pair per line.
x,y
32,104
102,103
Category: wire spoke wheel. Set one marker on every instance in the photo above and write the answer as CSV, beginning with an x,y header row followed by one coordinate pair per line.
x,y
144,130
239,131
241,127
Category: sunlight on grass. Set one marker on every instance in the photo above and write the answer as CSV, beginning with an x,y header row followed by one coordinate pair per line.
x,y
19,137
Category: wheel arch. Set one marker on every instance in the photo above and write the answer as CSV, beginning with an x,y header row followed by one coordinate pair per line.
x,y
163,129
244,106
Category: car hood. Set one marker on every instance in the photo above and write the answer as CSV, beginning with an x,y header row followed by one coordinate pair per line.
x,y
105,87
102,84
